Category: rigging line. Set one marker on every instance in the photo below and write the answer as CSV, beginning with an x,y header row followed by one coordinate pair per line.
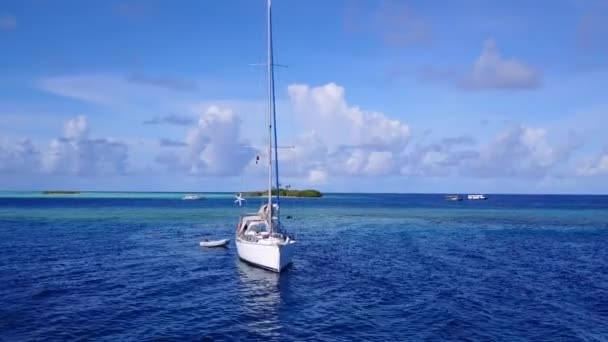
x,y
274,114
289,119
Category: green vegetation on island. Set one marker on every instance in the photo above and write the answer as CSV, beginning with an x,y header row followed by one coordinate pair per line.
x,y
287,193
60,192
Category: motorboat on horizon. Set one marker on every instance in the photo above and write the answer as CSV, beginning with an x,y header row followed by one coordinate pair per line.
x,y
192,197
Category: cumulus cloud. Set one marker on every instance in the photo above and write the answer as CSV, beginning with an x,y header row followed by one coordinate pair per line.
x,y
77,128
449,155
363,162
523,151
7,22
324,110
345,140
309,153
317,176
341,138
72,153
20,157
213,147
519,151
490,71
335,139
76,153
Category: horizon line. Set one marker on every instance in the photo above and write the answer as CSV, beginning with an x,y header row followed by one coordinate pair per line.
x,y
328,192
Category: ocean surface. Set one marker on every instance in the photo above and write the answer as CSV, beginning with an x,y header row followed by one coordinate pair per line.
x,y
376,267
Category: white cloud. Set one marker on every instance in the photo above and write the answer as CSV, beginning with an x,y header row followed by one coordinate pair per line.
x,y
99,89
317,176
517,152
213,146
20,157
492,71
443,158
379,163
122,93
333,139
75,153
309,153
342,138
345,140
363,162
324,110
521,151
77,128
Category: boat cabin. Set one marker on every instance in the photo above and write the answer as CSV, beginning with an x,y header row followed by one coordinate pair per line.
x,y
252,227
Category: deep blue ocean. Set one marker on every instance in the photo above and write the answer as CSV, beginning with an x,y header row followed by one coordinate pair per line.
x,y
376,267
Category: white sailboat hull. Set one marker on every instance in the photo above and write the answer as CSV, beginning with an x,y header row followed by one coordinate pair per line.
x,y
259,238
271,256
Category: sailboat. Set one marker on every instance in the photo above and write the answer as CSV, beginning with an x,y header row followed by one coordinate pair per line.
x,y
260,238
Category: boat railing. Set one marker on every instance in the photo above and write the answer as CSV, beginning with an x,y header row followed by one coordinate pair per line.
x,y
249,238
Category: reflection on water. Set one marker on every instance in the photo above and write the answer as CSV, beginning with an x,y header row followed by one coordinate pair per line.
x,y
260,294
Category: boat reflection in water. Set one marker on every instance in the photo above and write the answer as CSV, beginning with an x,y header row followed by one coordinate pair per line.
x,y
260,293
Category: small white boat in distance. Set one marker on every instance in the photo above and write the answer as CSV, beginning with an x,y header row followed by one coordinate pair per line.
x,y
214,243
477,197
192,197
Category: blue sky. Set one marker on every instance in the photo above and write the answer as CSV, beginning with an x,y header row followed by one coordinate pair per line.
x,y
378,96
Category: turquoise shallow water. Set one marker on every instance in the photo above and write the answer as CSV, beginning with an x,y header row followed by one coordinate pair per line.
x,y
110,194
368,267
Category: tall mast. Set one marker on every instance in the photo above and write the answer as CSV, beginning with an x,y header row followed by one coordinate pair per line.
x,y
272,124
270,112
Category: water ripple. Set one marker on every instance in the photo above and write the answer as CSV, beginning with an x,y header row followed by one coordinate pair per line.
x,y
366,269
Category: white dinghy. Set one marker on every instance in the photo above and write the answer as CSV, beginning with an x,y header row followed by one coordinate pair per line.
x,y
215,243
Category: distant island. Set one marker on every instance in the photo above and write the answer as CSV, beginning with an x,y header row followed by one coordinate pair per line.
x,y
60,192
287,193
